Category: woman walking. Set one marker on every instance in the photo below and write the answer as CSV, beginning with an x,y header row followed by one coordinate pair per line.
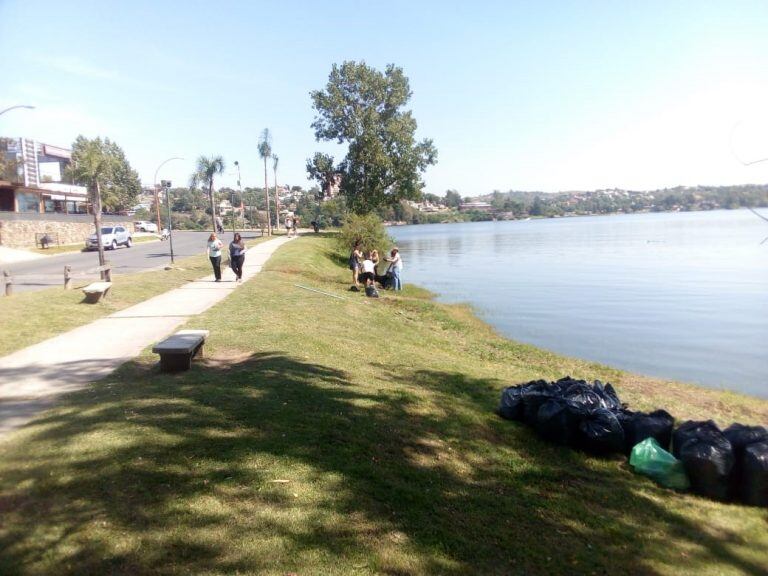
x,y
214,253
237,256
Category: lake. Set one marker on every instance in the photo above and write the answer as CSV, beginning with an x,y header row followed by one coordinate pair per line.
x,y
682,296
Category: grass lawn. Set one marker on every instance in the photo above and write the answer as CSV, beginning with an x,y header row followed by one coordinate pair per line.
x,y
31,317
326,436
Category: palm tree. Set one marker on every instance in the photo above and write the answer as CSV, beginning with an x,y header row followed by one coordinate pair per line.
x,y
206,169
265,151
275,161
92,166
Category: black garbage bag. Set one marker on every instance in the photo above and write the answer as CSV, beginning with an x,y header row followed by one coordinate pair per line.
x,y
708,460
741,437
755,480
558,421
511,403
690,430
608,397
584,396
638,426
592,396
534,395
600,432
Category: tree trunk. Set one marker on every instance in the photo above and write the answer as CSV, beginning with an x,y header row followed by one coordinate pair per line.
x,y
157,208
266,193
277,204
97,223
213,206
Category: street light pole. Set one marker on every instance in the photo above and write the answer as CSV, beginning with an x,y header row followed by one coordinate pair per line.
x,y
27,106
157,203
167,185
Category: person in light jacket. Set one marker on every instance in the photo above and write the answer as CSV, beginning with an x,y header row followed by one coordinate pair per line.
x,y
395,268
214,254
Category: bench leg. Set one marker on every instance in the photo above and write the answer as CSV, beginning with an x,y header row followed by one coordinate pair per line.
x,y
93,297
175,362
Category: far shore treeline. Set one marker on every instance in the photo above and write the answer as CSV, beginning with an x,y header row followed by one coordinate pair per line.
x,y
191,208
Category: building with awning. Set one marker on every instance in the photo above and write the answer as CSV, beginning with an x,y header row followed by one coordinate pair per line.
x,y
32,179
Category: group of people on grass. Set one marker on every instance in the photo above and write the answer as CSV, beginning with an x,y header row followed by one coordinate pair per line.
x,y
365,268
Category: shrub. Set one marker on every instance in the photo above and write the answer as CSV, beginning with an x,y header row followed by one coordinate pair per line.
x,y
368,229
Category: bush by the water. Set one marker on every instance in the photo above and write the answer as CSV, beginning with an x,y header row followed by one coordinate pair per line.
x,y
368,229
591,417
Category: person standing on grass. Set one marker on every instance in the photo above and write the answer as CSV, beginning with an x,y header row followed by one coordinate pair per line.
x,y
295,225
395,268
355,257
214,253
237,255
288,225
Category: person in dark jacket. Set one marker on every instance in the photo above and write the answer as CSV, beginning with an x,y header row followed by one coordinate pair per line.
x,y
237,256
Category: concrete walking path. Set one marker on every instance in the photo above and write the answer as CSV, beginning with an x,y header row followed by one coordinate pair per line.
x,y
33,378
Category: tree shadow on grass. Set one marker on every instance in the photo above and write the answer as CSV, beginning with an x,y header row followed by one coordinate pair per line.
x,y
267,463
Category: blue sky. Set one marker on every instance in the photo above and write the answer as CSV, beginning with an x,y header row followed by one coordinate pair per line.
x,y
516,95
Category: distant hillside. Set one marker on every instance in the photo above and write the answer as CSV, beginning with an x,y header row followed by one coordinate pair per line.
x,y
522,203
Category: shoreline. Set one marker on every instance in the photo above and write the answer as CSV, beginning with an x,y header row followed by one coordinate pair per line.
x,y
397,224
626,307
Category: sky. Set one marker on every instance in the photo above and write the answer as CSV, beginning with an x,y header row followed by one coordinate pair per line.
x,y
546,95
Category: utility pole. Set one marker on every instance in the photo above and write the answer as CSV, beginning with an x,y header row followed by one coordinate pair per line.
x,y
167,185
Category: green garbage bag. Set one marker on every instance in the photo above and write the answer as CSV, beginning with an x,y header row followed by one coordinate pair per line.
x,y
650,459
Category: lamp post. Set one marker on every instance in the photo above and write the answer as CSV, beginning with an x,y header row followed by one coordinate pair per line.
x,y
167,185
15,107
157,202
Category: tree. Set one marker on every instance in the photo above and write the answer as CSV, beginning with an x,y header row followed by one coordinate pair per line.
x,y
322,170
206,170
119,183
265,151
432,198
275,162
363,108
9,163
96,165
452,199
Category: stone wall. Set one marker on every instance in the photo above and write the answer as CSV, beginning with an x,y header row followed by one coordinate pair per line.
x,y
18,230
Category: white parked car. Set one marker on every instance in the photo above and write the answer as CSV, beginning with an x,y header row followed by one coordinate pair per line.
x,y
111,238
144,226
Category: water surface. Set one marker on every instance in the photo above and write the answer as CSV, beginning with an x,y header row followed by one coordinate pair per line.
x,y
675,295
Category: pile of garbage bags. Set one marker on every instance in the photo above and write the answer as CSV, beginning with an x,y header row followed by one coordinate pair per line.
x,y
720,464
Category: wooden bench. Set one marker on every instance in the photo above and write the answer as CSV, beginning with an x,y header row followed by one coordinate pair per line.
x,y
176,352
94,292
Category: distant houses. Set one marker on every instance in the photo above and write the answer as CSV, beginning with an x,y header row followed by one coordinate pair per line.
x,y
475,207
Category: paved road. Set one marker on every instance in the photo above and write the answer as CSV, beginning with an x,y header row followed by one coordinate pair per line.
x,y
139,258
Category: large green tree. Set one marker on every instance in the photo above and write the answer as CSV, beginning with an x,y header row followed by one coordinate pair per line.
x,y
205,172
365,109
101,166
119,183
